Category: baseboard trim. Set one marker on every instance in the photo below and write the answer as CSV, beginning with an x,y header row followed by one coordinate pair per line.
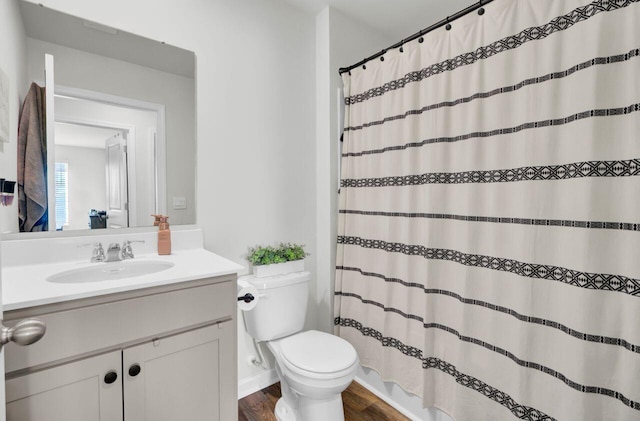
x,y
256,383
404,411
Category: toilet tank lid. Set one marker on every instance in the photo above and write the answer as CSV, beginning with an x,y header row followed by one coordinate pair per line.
x,y
277,281
318,352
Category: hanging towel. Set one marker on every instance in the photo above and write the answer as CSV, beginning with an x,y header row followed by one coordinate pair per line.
x,y
32,162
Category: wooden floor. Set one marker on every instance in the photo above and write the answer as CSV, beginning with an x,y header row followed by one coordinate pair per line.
x,y
359,404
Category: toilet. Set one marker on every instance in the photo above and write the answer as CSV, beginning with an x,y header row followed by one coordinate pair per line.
x,y
313,367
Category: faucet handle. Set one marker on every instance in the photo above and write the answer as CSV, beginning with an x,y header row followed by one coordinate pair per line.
x,y
98,252
127,250
89,244
127,243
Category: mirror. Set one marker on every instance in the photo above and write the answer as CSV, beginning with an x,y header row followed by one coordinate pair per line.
x,y
124,111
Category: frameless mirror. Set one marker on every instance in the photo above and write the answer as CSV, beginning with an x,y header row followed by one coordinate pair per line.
x,y
124,108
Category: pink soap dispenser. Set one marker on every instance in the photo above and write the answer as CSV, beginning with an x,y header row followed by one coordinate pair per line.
x,y
164,236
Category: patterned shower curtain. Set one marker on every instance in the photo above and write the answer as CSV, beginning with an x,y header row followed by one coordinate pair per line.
x,y
489,217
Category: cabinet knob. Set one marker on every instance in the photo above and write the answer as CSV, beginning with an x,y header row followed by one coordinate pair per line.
x,y
25,332
134,370
110,377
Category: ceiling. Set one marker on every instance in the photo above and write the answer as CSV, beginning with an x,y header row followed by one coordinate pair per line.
x,y
396,19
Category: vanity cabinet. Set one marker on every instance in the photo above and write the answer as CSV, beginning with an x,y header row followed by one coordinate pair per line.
x,y
163,353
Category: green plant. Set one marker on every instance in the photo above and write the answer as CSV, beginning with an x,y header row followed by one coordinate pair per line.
x,y
284,252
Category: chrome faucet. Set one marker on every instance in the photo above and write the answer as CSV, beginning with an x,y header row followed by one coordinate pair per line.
x,y
127,250
113,253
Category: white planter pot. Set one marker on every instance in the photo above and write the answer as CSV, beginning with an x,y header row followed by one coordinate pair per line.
x,y
278,268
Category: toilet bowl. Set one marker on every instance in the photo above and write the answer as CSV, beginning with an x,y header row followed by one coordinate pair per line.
x,y
317,367
314,367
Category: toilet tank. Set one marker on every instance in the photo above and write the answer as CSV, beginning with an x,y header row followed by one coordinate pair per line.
x,y
281,307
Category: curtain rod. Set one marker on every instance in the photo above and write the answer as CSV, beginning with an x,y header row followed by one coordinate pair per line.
x,y
447,21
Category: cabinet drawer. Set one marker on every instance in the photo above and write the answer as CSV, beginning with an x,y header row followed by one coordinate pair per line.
x,y
81,331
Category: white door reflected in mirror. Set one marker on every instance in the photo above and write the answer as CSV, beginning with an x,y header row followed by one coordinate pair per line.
x,y
106,163
116,155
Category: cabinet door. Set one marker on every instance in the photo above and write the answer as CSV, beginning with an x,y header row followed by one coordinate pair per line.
x,y
77,391
180,377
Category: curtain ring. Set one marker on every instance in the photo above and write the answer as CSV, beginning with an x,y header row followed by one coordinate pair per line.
x,y
448,27
401,46
481,9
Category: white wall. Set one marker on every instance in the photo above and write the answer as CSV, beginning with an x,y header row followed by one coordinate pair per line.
x,y
255,116
87,187
13,62
79,69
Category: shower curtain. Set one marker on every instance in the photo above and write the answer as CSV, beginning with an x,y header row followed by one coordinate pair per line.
x,y
489,215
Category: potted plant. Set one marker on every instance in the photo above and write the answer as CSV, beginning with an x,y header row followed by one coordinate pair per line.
x,y
272,261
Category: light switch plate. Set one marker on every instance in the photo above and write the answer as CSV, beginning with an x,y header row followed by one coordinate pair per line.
x,y
179,202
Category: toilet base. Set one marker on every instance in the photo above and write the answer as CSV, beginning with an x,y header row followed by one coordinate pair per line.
x,y
320,409
284,412
311,410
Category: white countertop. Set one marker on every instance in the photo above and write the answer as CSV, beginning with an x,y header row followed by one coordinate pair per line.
x,y
27,285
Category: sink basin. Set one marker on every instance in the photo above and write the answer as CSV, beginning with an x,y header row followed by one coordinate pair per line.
x,y
99,272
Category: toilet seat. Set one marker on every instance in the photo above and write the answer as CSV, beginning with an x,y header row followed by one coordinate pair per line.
x,y
317,354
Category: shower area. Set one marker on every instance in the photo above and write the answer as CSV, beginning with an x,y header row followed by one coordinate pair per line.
x,y
489,212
